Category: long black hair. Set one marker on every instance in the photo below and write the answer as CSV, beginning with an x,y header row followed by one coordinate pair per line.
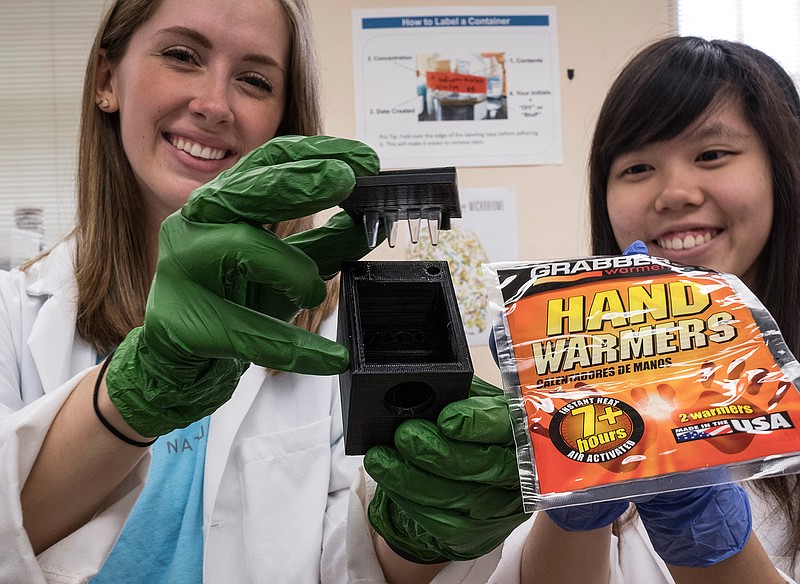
x,y
662,91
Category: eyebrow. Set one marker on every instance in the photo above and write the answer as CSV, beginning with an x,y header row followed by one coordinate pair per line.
x,y
718,130
203,41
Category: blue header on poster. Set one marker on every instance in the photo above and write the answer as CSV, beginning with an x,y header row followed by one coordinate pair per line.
x,y
469,21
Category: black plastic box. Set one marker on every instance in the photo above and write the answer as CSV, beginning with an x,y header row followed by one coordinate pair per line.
x,y
409,355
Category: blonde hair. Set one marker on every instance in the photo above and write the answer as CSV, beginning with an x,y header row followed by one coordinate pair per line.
x,y
110,232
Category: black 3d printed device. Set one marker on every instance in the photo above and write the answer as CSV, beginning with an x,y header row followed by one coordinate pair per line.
x,y
411,195
408,351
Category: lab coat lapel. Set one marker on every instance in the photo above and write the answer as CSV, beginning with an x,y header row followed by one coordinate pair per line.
x,y
224,425
57,351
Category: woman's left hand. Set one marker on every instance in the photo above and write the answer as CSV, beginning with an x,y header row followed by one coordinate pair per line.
x,y
450,490
697,527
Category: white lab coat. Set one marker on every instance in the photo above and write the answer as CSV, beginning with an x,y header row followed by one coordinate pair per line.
x,y
276,490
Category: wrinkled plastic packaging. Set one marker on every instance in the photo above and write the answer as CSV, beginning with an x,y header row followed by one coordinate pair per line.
x,y
632,375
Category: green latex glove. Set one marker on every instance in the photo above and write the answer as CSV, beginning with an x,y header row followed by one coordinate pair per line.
x,y
225,288
449,491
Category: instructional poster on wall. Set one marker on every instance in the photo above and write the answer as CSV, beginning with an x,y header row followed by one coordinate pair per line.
x,y
458,86
486,232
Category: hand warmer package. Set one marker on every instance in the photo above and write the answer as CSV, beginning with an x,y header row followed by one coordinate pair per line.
x,y
633,375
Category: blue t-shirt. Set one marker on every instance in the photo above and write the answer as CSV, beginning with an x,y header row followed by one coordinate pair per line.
x,y
162,542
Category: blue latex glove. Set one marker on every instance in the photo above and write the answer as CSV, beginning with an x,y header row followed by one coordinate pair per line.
x,y
637,246
587,517
697,527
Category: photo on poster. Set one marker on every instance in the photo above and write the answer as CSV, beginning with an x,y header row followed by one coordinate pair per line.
x,y
461,87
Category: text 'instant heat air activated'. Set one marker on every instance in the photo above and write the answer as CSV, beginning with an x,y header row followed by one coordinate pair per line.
x,y
629,375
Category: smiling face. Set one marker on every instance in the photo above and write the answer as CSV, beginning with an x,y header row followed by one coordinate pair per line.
x,y
192,97
702,198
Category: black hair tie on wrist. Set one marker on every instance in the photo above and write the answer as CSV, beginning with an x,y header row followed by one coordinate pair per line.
x,y
102,419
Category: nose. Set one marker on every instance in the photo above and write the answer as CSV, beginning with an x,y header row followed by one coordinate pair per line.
x,y
211,100
678,190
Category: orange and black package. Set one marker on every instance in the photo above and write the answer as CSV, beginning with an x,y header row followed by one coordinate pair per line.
x,y
631,375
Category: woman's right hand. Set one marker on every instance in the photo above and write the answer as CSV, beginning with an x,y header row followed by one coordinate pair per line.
x,y
225,288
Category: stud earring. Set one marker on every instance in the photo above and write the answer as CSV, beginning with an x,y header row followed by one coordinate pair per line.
x,y
103,103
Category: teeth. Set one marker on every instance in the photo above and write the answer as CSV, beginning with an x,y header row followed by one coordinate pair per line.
x,y
198,150
685,242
